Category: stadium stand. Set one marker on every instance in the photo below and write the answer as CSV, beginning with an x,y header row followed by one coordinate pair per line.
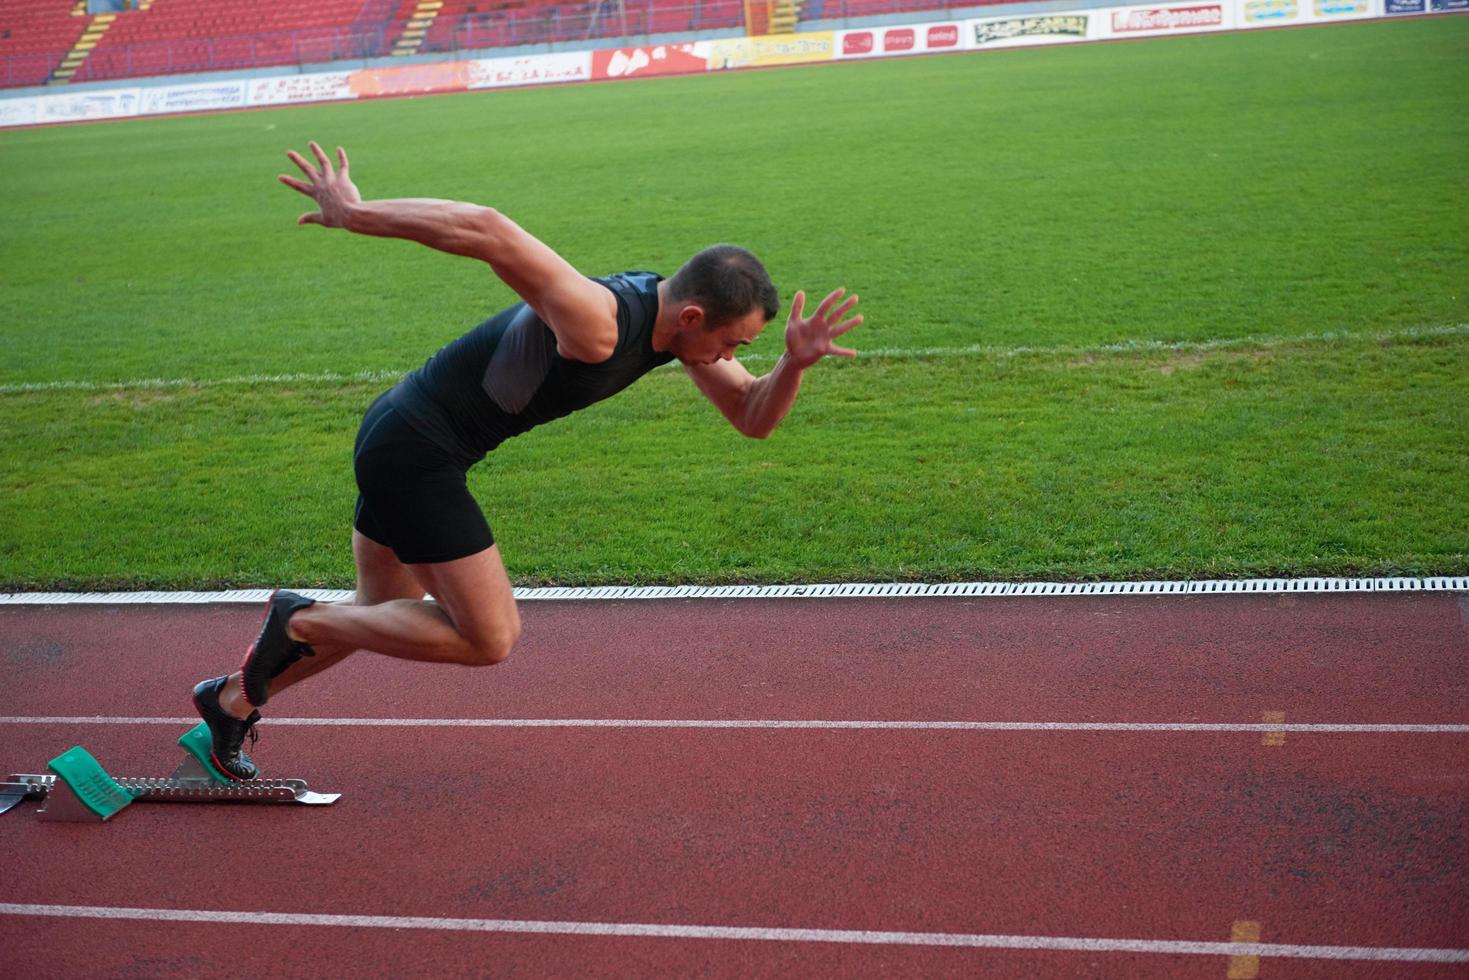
x,y
838,9
467,25
166,37
173,36
34,36
55,40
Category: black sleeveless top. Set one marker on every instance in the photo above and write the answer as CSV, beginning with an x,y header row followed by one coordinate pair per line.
x,y
504,377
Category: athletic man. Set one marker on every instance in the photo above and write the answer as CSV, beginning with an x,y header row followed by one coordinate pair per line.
x,y
572,341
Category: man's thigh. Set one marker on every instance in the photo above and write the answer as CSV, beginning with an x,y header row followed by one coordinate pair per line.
x,y
476,593
381,577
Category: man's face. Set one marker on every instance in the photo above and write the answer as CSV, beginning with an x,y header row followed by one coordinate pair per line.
x,y
697,344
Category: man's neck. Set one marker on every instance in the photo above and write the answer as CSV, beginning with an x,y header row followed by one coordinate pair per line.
x,y
665,325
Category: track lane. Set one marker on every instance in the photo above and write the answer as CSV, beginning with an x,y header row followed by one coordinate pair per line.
x,y
1354,840
1389,658
60,947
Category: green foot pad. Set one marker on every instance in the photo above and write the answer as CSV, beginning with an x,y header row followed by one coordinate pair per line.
x,y
83,790
197,742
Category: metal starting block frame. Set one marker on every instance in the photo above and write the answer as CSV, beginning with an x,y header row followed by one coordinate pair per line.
x,y
79,790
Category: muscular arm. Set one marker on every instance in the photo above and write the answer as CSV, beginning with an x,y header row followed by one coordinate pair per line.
x,y
581,313
755,406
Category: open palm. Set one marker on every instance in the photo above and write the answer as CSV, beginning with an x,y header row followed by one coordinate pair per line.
x,y
809,339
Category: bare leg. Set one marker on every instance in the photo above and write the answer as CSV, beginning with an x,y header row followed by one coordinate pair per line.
x,y
474,621
381,577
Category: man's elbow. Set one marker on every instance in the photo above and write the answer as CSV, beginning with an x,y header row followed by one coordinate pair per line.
x,y
484,231
753,431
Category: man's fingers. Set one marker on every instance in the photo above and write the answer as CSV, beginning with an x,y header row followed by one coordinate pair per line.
x,y
826,304
798,304
342,158
842,352
294,184
306,168
845,308
309,218
842,328
322,158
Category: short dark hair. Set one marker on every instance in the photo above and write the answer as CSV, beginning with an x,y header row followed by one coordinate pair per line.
x,y
728,282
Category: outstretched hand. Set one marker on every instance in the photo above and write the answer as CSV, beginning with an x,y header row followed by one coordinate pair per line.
x,y
809,339
331,189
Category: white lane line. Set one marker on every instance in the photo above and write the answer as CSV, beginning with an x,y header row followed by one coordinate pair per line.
x,y
1254,341
827,590
747,934
774,723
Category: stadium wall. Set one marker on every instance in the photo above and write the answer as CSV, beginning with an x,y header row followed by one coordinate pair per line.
x,y
1003,31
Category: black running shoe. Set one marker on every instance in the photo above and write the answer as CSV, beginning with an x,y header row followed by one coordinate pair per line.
x,y
273,650
227,733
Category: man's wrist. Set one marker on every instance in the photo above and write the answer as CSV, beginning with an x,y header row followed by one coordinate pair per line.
x,y
794,363
352,216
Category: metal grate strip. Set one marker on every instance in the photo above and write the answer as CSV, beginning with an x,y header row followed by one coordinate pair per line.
x,y
894,590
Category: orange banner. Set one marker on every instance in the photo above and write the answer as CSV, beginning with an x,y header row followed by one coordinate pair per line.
x,y
452,76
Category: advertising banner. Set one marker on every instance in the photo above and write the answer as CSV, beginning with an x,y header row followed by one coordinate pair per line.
x,y
1269,13
90,105
1015,30
876,42
771,49
194,98
444,76
17,112
536,69
1019,32
301,88
661,59
1144,21
1341,9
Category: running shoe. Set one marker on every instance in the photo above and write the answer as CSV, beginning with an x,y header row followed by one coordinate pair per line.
x,y
273,650
227,733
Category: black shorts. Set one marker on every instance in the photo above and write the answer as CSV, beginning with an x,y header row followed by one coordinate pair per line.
x,y
412,496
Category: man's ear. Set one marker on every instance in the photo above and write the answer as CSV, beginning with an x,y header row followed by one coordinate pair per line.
x,y
691,315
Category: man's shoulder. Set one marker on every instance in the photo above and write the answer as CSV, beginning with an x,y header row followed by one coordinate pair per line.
x,y
636,292
638,280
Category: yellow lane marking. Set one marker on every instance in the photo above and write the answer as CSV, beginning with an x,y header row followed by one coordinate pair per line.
x,y
1274,738
1244,967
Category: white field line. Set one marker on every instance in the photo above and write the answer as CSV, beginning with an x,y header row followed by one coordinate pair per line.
x,y
880,353
778,723
748,934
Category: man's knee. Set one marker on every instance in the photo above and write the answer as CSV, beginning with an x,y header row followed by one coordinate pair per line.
x,y
494,648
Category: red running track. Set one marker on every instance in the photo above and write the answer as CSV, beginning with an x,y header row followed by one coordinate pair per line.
x,y
1328,839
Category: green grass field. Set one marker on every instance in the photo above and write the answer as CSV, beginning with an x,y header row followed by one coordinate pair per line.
x,y
1185,307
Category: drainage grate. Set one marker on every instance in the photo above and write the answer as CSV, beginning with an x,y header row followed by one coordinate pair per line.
x,y
895,590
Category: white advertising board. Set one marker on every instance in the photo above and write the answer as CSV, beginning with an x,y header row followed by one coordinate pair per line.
x,y
17,112
1026,30
194,98
539,69
881,42
1281,13
285,89
110,104
1173,18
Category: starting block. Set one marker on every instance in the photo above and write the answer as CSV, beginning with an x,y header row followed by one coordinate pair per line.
x,y
78,789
